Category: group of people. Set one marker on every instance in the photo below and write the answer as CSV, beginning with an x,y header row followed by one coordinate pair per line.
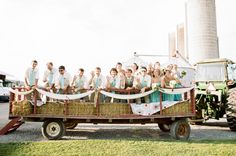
x,y
140,78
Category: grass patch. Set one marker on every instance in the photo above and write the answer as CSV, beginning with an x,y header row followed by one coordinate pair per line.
x,y
119,147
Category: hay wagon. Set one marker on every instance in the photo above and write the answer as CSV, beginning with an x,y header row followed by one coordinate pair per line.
x,y
68,110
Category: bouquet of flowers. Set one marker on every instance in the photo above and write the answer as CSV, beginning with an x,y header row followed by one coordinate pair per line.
x,y
183,73
156,86
173,83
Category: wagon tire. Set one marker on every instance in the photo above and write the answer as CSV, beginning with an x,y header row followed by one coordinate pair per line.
x,y
180,130
53,129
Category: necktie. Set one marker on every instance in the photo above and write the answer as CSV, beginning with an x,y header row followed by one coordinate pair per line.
x,y
80,83
143,83
97,83
50,76
113,82
62,82
31,77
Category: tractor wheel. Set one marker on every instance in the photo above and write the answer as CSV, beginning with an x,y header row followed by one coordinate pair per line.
x,y
231,110
180,129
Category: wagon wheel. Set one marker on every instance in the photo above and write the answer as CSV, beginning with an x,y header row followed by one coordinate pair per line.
x,y
164,127
53,129
180,130
70,125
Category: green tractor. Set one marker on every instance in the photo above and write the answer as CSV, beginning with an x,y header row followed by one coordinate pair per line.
x,y
216,91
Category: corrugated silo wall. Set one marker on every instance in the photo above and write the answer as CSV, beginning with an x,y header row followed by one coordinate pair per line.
x,y
202,41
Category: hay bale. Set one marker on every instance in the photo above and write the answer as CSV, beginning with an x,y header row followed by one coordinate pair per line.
x,y
51,108
180,108
84,108
77,108
22,108
114,109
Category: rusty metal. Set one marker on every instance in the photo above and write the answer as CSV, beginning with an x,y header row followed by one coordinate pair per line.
x,y
185,96
11,126
35,101
160,103
192,96
11,99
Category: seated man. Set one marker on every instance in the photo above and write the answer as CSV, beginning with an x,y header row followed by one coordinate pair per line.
x,y
63,81
80,84
32,76
143,82
129,79
97,81
49,78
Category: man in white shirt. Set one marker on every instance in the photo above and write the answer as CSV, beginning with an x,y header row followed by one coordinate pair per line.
x,y
145,81
63,81
49,77
97,82
32,76
79,82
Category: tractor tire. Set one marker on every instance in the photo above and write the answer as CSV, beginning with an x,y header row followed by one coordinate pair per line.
x,y
231,110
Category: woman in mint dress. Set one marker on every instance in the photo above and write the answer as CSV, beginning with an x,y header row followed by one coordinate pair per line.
x,y
156,83
167,82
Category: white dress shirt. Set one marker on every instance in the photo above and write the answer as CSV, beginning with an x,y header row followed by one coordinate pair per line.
x,y
31,75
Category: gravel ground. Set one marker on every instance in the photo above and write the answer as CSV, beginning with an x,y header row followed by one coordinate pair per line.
x,y
31,131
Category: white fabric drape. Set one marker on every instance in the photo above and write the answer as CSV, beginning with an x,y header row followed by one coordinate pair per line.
x,y
176,90
139,95
109,94
64,96
126,97
150,108
20,93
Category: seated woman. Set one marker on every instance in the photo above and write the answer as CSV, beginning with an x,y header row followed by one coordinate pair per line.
x,y
113,81
169,81
156,83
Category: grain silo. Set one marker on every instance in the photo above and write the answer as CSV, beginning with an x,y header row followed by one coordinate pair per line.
x,y
201,36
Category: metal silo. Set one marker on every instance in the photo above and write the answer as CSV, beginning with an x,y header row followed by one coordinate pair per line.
x,y
201,36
